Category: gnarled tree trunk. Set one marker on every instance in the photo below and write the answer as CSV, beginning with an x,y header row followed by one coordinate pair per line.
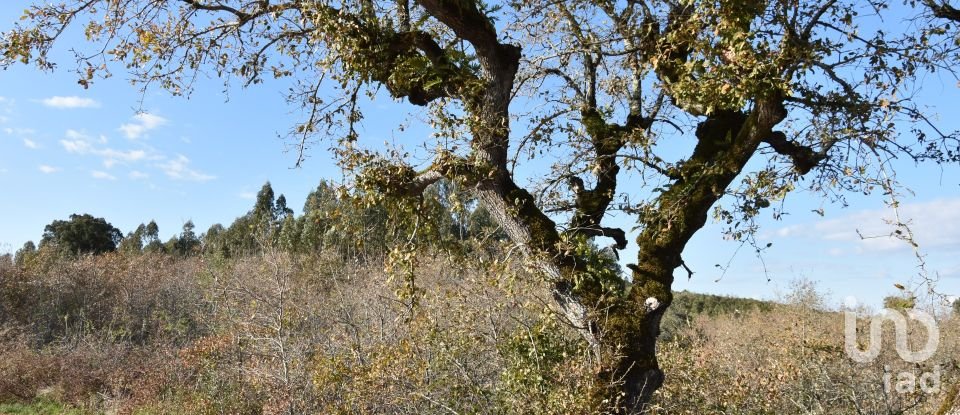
x,y
622,331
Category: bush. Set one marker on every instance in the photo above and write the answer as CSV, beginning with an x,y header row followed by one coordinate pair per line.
x,y
791,359
276,333
120,297
899,302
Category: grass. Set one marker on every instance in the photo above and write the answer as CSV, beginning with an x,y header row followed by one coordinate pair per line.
x,y
38,408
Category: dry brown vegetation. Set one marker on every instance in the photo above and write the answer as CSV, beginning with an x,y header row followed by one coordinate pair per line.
x,y
277,333
791,360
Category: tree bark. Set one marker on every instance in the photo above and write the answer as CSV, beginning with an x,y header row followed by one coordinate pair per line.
x,y
726,141
622,331
623,334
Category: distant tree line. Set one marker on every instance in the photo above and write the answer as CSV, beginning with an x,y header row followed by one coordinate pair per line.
x,y
332,220
688,305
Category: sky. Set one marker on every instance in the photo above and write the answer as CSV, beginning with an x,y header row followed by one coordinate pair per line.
x,y
131,157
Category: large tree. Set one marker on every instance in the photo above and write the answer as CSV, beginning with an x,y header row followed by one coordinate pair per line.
x,y
651,108
82,234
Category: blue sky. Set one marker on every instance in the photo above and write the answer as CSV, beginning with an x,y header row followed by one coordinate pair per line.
x,y
64,149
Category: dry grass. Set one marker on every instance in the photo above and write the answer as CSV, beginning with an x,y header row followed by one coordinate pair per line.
x,y
791,359
285,334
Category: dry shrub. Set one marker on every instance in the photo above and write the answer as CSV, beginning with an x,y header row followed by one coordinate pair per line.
x,y
87,372
292,334
478,341
792,360
97,331
123,298
279,333
24,371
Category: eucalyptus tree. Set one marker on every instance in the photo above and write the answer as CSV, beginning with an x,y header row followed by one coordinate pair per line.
x,y
661,110
29,250
133,242
151,238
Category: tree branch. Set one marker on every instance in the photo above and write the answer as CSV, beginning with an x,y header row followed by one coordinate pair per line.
x,y
467,22
422,181
943,10
241,15
570,82
804,158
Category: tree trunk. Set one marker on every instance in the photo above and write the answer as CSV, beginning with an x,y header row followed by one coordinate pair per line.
x,y
726,141
621,330
630,330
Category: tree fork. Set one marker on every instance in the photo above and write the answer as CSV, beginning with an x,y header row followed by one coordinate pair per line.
x,y
632,329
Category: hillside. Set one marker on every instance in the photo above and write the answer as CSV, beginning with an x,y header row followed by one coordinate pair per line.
x,y
689,305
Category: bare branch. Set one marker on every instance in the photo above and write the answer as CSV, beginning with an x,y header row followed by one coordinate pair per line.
x,y
241,15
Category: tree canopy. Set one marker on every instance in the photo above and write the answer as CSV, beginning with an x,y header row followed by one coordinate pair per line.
x,y
663,110
82,234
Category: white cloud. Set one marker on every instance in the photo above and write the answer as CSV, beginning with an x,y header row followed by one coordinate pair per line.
x,y
76,135
143,122
96,174
20,131
30,144
150,121
128,156
48,169
6,108
132,131
788,231
179,169
70,102
247,195
76,146
837,252
935,225
79,143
